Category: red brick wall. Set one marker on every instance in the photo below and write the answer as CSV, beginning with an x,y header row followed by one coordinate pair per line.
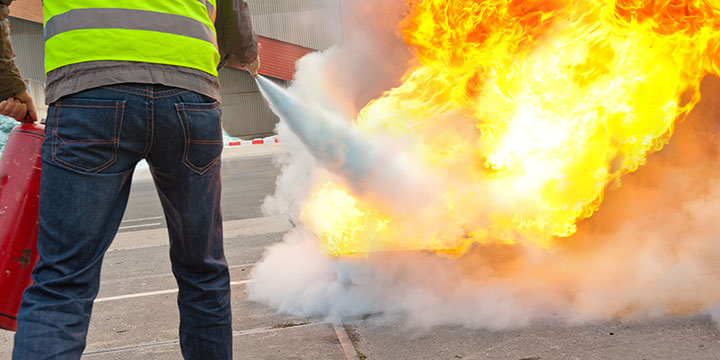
x,y
277,58
27,10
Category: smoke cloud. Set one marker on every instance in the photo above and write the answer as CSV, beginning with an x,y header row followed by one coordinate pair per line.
x,y
653,248
6,125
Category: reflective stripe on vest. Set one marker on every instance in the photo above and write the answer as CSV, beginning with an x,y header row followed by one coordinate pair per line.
x,y
173,34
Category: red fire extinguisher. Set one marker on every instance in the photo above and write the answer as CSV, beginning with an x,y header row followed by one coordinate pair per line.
x,y
19,193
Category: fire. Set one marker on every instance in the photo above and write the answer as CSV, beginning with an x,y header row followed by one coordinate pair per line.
x,y
527,110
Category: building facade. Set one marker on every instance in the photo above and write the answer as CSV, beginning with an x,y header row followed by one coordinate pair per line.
x,y
287,31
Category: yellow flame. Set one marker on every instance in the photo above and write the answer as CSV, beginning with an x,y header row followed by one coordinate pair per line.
x,y
529,109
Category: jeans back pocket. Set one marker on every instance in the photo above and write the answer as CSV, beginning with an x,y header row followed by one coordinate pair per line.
x,y
202,129
85,133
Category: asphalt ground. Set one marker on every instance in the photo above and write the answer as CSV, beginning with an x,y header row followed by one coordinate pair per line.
x,y
135,315
248,174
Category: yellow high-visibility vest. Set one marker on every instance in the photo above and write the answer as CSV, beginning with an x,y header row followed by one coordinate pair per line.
x,y
179,32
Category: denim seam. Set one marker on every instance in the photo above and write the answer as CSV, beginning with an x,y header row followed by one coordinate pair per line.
x,y
55,136
116,138
215,107
149,133
183,122
152,129
118,130
101,141
137,92
89,106
201,170
148,93
169,95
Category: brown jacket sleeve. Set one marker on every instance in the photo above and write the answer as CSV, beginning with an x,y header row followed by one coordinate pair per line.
x,y
236,38
11,81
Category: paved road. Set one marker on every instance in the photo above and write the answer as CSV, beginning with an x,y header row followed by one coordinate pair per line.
x,y
248,176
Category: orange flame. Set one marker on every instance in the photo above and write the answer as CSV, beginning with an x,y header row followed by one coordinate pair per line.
x,y
529,110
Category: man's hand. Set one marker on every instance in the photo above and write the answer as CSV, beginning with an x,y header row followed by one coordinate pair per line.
x,y
254,67
18,107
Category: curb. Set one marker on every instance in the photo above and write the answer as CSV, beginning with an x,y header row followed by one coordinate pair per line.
x,y
253,142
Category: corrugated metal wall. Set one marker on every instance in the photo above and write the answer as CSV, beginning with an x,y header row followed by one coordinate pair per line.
x,y
27,38
245,112
314,24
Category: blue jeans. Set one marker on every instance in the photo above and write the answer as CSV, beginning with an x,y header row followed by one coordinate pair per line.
x,y
92,143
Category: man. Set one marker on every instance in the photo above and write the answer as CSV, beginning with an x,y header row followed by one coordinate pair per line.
x,y
128,81
15,101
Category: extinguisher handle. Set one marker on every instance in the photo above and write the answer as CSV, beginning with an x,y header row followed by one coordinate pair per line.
x,y
28,119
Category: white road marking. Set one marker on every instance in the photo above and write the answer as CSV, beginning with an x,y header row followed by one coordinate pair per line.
x,y
143,219
242,266
155,276
176,341
138,226
153,293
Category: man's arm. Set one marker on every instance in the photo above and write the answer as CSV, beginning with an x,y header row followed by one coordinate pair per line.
x,y
236,38
15,101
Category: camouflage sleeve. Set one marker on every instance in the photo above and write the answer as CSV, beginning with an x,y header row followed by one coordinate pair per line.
x,y
11,81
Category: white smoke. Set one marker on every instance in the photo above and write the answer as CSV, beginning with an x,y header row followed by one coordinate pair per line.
x,y
6,125
340,81
653,249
